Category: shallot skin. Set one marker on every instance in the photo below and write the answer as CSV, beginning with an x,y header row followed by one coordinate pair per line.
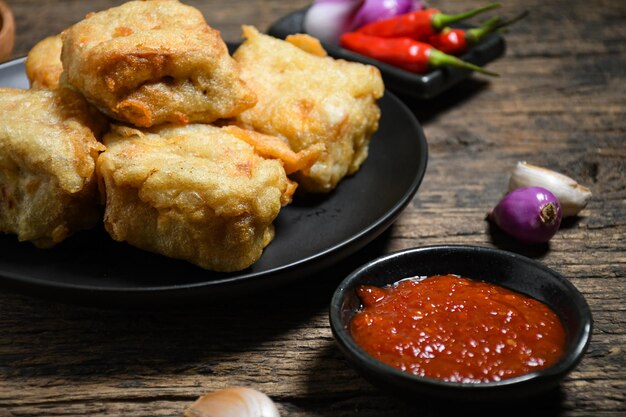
x,y
572,196
529,214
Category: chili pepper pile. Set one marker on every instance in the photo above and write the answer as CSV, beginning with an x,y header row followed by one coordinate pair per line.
x,y
421,40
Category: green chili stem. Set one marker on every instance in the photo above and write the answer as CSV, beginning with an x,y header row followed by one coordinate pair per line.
x,y
513,20
439,59
475,35
440,20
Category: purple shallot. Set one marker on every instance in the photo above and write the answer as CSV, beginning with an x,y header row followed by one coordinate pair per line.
x,y
529,214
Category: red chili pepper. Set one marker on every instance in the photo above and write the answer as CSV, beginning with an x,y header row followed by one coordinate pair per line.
x,y
456,41
451,41
403,52
419,24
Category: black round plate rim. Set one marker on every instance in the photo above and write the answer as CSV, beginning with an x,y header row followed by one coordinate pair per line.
x,y
312,263
569,360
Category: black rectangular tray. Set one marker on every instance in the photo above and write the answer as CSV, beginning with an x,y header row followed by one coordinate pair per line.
x,y
422,86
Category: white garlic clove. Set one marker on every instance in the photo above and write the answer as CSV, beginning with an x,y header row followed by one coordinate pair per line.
x,y
233,402
572,196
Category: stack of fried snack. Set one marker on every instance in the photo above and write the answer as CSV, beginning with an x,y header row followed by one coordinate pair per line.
x,y
141,110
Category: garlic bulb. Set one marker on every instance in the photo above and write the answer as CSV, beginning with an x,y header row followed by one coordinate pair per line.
x,y
572,196
233,402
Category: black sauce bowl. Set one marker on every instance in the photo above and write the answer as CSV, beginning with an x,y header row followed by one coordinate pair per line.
x,y
499,267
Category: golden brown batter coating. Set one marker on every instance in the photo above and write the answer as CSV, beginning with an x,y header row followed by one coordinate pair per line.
x,y
311,100
150,62
274,148
192,192
43,63
48,188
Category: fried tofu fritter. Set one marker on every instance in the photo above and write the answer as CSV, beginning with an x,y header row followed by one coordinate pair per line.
x,y
43,63
192,192
176,185
311,100
151,62
47,165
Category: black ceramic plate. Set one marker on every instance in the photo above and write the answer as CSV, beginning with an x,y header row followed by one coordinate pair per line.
x,y
311,233
403,82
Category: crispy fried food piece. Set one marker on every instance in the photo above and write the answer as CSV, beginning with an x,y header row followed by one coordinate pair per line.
x,y
48,188
43,63
309,100
272,147
307,43
150,62
191,192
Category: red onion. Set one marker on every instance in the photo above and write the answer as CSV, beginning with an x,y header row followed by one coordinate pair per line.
x,y
372,10
328,19
530,214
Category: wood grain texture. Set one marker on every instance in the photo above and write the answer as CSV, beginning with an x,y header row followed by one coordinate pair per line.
x,y
560,102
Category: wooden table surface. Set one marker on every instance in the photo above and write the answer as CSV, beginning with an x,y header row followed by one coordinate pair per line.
x,y
560,102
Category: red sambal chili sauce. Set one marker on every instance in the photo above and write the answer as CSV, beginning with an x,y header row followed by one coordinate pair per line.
x,y
457,329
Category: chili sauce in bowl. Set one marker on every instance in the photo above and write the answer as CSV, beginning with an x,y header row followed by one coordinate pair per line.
x,y
460,322
457,329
